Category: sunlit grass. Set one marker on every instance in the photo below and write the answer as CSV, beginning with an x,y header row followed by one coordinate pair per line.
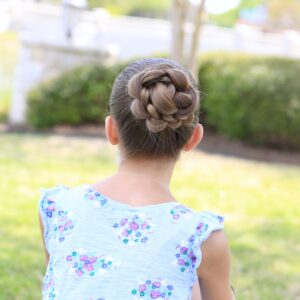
x,y
260,202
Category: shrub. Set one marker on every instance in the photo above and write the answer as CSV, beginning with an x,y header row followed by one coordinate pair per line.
x,y
153,8
252,98
75,97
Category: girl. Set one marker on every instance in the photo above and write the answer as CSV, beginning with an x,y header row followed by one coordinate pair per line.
x,y
126,237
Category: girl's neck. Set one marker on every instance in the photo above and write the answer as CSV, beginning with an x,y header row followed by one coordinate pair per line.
x,y
139,182
154,170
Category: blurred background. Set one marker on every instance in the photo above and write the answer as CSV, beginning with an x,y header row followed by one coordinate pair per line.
x,y
58,61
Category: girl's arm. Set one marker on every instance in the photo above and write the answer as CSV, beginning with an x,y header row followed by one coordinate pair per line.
x,y
196,294
214,270
42,233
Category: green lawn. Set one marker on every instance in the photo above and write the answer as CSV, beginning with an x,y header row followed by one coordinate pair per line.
x,y
9,49
260,202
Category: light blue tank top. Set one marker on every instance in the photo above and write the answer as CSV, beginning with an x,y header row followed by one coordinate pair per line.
x,y
103,249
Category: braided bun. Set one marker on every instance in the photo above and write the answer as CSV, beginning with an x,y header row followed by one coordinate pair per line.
x,y
163,96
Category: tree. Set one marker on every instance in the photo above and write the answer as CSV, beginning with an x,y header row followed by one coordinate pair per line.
x,y
284,14
180,15
230,17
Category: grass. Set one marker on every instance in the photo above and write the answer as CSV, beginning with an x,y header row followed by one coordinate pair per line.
x,y
8,57
260,202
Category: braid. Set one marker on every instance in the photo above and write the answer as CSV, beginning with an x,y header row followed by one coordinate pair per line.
x,y
163,96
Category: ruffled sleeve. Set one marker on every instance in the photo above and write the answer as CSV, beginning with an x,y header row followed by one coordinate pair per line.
x,y
47,209
206,223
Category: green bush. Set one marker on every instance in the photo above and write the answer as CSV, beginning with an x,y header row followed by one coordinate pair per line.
x,y
75,97
252,98
152,9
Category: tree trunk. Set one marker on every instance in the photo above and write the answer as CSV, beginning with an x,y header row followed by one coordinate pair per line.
x,y
179,10
192,62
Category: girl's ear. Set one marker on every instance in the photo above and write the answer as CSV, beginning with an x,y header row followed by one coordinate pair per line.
x,y
111,130
195,139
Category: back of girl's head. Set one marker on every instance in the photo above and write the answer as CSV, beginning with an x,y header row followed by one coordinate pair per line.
x,y
155,103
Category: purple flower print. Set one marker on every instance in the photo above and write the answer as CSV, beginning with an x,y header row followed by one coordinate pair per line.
x,y
179,211
155,294
49,284
123,222
221,219
69,258
133,225
185,257
85,264
201,228
62,225
79,273
49,207
132,230
89,267
142,287
125,232
61,228
49,280
83,257
183,250
144,240
153,290
192,239
88,262
193,258
144,225
95,197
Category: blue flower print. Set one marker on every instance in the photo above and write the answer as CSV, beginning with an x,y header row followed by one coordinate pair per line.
x,y
83,263
134,229
95,197
155,289
180,211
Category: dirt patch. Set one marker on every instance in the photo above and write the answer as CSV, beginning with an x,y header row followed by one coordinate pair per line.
x,y
212,143
215,143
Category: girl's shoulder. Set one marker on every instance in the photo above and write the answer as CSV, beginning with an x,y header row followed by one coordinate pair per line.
x,y
49,196
203,222
56,205
198,224
207,218
193,228
206,222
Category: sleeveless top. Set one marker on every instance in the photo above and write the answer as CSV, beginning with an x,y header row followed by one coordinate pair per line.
x,y
102,249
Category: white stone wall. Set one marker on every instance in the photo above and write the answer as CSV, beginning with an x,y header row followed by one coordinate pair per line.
x,y
42,59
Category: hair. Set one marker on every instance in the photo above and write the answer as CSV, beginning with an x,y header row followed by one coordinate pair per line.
x,y
155,103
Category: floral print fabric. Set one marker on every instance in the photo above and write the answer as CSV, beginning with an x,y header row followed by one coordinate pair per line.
x,y
59,223
88,264
49,285
157,288
100,250
134,229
